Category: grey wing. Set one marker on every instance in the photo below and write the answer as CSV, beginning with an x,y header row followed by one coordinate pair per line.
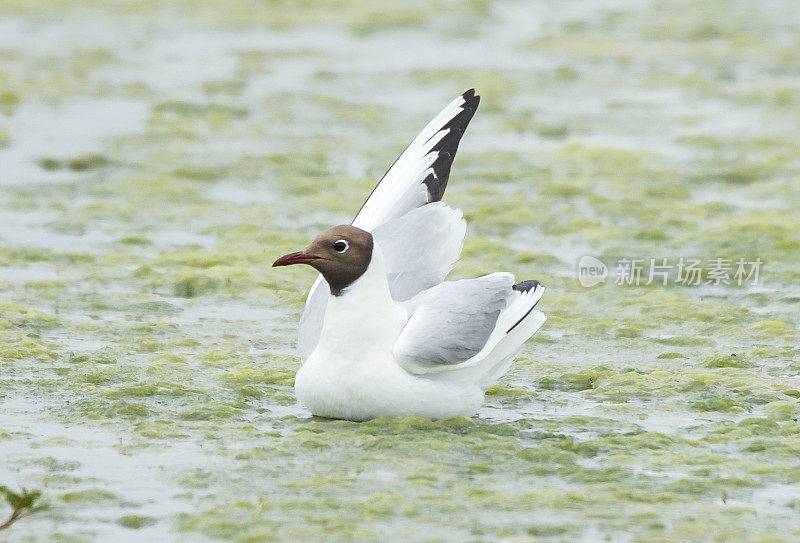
x,y
452,322
419,176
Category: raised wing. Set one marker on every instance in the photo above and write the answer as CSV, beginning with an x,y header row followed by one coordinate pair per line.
x,y
419,176
459,324
420,248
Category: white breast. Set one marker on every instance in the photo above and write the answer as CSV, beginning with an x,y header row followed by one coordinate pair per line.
x,y
352,373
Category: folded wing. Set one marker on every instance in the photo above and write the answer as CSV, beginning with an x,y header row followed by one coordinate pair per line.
x,y
451,322
472,323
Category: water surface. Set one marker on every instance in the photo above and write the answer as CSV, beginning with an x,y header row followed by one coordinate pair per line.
x,y
157,157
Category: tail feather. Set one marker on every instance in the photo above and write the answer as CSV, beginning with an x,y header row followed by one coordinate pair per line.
x,y
526,321
530,292
510,346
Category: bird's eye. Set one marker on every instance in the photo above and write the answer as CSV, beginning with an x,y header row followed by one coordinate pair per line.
x,y
341,246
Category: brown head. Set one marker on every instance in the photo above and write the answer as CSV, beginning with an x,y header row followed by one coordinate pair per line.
x,y
341,254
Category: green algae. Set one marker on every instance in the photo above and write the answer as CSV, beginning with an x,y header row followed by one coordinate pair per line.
x,y
729,361
625,417
135,522
195,285
76,164
26,317
25,349
94,495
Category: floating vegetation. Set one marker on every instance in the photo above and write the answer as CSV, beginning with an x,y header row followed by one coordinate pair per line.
x,y
158,156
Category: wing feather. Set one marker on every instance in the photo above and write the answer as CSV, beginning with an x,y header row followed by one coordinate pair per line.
x,y
420,248
402,188
419,176
450,321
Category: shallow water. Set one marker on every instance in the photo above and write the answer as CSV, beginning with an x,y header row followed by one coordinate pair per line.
x,y
157,157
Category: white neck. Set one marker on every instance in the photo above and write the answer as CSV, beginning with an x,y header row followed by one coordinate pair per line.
x,y
363,319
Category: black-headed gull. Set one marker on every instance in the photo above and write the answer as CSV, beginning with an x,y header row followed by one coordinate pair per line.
x,y
382,333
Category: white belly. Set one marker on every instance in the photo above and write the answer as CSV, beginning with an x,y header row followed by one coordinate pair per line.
x,y
371,388
352,373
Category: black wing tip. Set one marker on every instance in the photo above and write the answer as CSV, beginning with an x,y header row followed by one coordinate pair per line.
x,y
447,147
471,103
526,286
447,143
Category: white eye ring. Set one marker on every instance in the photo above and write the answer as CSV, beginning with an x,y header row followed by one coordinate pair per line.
x,y
338,244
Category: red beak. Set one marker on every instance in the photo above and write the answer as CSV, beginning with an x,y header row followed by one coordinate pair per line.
x,y
295,258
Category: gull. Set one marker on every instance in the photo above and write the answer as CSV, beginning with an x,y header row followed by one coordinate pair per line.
x,y
382,333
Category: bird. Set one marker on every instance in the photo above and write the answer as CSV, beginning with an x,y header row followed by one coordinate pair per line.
x,y
383,334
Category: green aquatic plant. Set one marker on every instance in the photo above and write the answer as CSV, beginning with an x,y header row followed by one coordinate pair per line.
x,y
139,307
23,503
76,164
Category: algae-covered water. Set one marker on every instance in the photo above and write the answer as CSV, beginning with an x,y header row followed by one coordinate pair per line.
x,y
156,157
